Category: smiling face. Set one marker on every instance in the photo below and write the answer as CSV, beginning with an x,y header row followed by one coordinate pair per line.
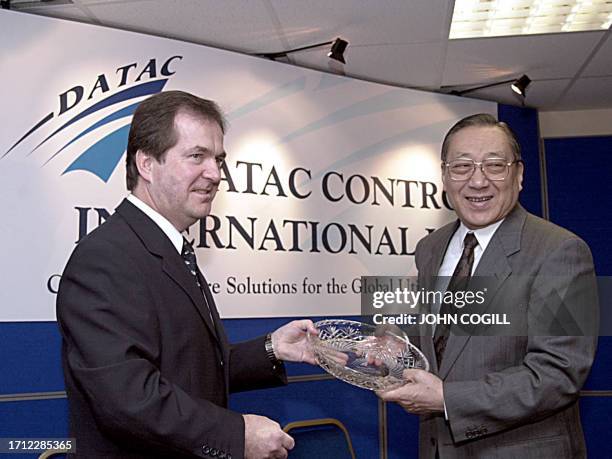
x,y
183,184
480,202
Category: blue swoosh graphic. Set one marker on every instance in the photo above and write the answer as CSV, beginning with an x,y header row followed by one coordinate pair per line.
x,y
268,98
150,87
329,81
122,113
34,128
102,158
411,136
390,100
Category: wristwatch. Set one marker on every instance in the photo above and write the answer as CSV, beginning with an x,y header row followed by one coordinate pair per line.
x,y
270,351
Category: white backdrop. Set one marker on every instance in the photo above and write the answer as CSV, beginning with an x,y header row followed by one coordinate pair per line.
x,y
67,92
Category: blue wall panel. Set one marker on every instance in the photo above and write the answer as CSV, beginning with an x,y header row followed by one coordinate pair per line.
x,y
30,353
34,419
30,356
402,433
600,377
579,172
524,123
595,414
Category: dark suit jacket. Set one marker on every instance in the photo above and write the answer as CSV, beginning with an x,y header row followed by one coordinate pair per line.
x,y
147,373
514,396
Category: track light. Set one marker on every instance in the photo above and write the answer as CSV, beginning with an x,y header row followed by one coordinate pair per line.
x,y
337,50
520,86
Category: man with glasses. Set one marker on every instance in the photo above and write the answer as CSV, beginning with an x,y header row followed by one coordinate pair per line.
x,y
500,396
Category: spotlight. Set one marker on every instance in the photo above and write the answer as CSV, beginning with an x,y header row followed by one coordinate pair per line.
x,y
337,50
520,86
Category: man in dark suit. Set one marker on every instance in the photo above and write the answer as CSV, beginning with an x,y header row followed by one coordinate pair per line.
x,y
147,364
501,396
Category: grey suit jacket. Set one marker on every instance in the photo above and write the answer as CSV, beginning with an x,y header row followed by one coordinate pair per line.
x,y
514,396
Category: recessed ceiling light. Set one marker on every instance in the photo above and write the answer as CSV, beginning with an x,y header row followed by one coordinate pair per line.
x,y
495,18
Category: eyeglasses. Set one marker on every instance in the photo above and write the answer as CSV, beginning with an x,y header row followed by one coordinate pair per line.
x,y
493,168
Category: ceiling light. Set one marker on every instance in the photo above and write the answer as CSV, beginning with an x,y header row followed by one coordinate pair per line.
x,y
520,86
337,50
494,18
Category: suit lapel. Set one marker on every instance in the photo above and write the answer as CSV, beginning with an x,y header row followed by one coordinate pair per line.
x,y
495,267
156,242
224,345
174,267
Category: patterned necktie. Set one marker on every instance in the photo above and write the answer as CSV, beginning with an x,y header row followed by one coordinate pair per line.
x,y
189,258
458,282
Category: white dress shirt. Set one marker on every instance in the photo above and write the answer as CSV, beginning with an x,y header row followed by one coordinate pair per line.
x,y
168,228
455,247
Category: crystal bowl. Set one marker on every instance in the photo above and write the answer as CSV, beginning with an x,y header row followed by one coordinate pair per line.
x,y
364,355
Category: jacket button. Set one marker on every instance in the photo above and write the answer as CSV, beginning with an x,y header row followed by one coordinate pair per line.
x,y
206,449
213,452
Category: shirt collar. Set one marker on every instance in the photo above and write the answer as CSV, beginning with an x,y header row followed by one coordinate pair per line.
x,y
483,235
164,224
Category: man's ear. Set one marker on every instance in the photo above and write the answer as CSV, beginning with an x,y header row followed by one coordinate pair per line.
x,y
519,176
144,163
443,176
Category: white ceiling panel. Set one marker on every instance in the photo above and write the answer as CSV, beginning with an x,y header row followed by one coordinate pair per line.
x,y
363,22
231,24
592,92
539,93
71,12
395,63
601,64
485,60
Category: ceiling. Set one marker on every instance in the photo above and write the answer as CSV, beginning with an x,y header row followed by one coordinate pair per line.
x,y
398,42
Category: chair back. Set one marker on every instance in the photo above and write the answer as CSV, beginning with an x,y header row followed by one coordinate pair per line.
x,y
55,453
320,438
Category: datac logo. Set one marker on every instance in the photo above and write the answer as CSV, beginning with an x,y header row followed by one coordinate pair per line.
x,y
102,157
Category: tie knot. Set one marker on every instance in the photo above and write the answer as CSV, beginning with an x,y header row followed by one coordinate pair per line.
x,y
187,253
470,242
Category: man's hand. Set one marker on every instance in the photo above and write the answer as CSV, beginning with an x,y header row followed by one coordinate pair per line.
x,y
264,439
422,394
291,343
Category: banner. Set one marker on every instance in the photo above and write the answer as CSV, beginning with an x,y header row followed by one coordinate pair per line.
x,y
327,178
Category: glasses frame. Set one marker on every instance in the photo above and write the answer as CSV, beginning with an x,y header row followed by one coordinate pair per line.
x,y
479,164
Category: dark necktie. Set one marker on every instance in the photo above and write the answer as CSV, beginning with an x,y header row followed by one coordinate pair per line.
x,y
458,282
189,258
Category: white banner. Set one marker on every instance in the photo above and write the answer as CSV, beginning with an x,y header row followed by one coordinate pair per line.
x,y
327,179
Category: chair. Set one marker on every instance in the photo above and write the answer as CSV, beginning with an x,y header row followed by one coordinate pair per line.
x,y
321,438
54,453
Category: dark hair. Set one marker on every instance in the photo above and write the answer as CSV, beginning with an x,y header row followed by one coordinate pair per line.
x,y
152,130
482,119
